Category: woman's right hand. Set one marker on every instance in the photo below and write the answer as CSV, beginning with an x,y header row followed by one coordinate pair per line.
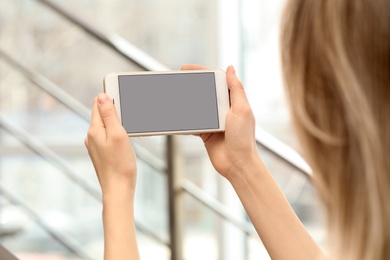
x,y
233,149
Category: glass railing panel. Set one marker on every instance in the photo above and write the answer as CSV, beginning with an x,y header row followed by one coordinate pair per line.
x,y
52,193
200,239
151,205
61,204
218,238
68,209
294,184
199,170
203,227
27,240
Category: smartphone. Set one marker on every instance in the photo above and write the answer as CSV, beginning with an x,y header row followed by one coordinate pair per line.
x,y
169,102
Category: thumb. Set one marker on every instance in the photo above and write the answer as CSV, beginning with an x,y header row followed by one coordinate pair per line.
x,y
237,93
107,112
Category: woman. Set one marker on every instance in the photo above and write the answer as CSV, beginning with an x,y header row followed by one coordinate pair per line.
x,y
336,66
336,62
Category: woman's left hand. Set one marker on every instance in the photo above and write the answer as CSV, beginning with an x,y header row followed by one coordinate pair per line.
x,y
110,149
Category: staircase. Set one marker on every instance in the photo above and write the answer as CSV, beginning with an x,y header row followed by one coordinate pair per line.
x,y
52,60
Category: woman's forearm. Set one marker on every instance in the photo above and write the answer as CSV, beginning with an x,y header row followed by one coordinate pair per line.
x,y
116,168
282,233
119,230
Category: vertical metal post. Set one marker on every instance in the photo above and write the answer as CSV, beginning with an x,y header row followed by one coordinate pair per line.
x,y
175,196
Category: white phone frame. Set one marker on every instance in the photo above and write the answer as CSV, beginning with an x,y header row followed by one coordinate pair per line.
x,y
111,88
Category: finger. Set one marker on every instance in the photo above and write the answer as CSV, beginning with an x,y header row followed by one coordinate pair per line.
x,y
193,67
205,137
96,120
108,113
237,92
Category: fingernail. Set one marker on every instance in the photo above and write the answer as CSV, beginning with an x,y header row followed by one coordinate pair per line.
x,y
233,69
102,99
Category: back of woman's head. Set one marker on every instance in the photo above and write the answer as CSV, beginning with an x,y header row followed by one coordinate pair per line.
x,y
336,66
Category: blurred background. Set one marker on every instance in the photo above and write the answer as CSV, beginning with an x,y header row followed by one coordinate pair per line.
x,y
53,57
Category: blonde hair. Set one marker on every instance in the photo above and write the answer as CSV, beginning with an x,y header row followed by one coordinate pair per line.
x,y
336,67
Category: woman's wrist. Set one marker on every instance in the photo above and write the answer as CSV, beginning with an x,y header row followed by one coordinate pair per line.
x,y
244,173
115,184
119,194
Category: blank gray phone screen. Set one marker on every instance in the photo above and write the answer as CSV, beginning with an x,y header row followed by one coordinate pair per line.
x,y
168,102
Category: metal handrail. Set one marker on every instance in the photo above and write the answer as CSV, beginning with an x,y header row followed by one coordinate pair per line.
x,y
146,62
50,156
61,238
